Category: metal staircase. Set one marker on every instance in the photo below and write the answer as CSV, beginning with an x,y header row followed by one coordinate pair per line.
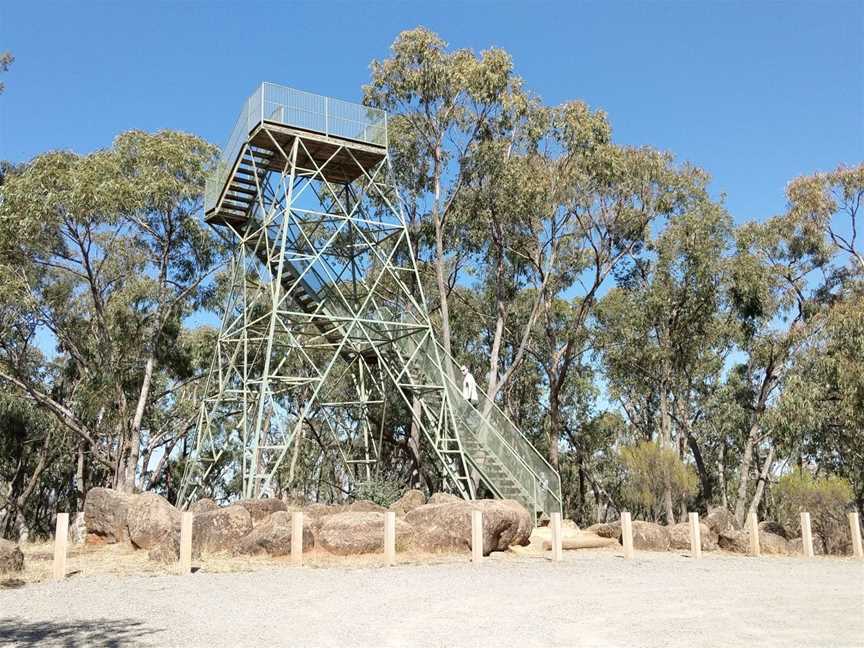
x,y
343,268
503,465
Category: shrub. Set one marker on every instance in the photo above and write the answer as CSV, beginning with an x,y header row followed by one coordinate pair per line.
x,y
825,498
381,491
647,467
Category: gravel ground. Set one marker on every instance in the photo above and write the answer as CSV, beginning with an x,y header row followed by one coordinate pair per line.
x,y
593,598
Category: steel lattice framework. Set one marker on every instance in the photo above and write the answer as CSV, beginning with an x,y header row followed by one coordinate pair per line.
x,y
326,319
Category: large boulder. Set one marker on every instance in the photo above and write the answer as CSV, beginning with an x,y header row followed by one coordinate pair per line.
x,y
203,505
773,527
447,527
735,541
679,537
220,530
739,542
364,506
261,509
105,515
796,546
167,551
772,543
583,540
720,521
571,538
648,536
11,557
151,520
361,532
314,514
606,529
443,498
273,537
408,502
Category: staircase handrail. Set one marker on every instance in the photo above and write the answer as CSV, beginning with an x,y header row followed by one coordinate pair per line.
x,y
553,489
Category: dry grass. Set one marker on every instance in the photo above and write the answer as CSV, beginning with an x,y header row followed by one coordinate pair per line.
x,y
124,560
88,560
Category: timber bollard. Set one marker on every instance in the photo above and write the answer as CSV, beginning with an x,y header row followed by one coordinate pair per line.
x,y
555,524
627,534
476,537
61,539
806,535
695,536
185,566
297,538
753,524
855,530
390,537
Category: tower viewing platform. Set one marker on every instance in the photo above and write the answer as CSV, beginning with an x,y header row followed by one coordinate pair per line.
x,y
325,327
341,139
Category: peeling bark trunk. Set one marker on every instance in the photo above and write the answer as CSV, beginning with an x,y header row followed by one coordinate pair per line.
x,y
666,442
763,478
130,479
80,486
744,474
721,475
752,436
554,427
438,221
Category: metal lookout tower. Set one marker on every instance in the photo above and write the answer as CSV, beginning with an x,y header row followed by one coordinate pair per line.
x,y
325,318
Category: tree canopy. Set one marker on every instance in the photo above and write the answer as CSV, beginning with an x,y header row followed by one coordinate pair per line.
x,y
663,354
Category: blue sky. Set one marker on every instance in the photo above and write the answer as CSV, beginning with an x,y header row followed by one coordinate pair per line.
x,y
756,93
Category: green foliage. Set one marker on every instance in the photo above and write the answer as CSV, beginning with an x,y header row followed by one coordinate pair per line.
x,y
106,252
379,490
648,469
606,297
6,59
827,499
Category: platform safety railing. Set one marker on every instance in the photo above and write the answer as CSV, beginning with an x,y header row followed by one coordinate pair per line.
x,y
279,104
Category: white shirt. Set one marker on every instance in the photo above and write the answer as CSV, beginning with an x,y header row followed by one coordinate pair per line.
x,y
469,388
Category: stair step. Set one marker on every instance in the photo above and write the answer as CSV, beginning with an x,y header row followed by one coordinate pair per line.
x,y
242,190
242,201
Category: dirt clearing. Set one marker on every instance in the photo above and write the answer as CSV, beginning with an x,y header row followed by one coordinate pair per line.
x,y
593,598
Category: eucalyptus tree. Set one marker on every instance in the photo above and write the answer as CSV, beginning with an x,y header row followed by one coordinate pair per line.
x,y
830,203
820,414
774,295
104,256
441,104
610,197
508,222
6,59
663,333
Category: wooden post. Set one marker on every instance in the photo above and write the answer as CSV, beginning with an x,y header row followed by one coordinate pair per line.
x,y
627,534
557,550
476,537
806,535
390,537
185,566
297,538
753,524
855,529
695,536
61,539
